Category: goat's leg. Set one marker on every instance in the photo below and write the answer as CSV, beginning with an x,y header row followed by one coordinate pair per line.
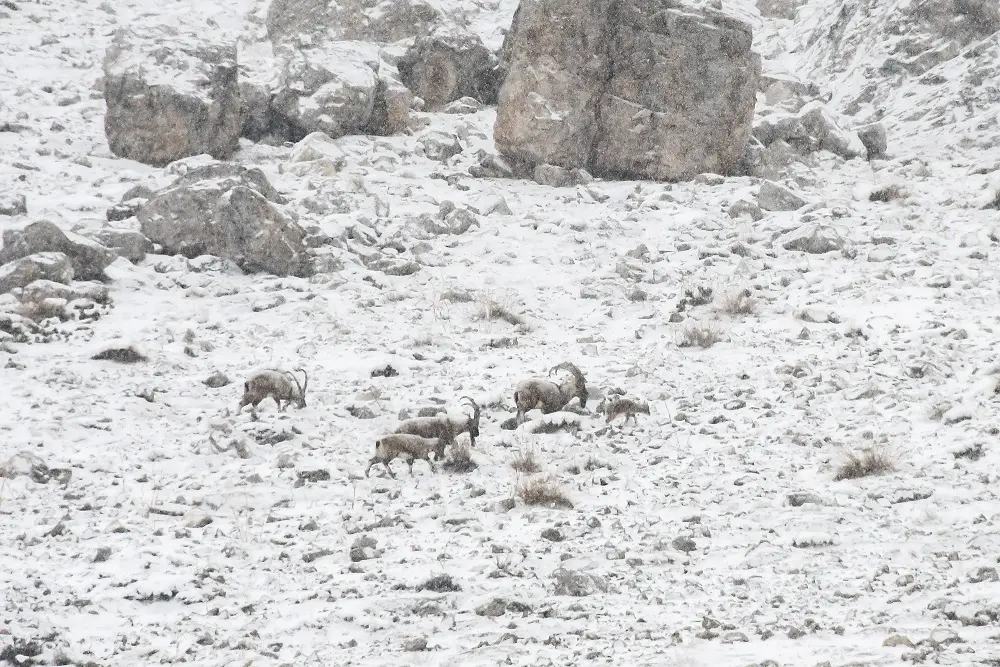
x,y
371,462
433,469
388,469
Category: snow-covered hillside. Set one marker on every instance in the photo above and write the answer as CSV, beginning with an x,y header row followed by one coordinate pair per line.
x,y
713,532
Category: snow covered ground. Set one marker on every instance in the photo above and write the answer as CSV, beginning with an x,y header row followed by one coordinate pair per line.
x,y
715,525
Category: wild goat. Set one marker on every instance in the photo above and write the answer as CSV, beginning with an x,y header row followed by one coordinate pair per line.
x,y
444,426
279,385
410,447
548,396
616,406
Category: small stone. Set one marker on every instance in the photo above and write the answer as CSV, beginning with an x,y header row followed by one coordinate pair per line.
x,y
216,380
897,640
733,638
553,535
775,197
685,544
415,644
13,205
102,555
796,633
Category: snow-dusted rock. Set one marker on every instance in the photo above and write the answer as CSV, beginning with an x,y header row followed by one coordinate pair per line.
x,y
665,99
449,64
875,141
362,20
54,266
13,205
775,197
128,243
330,89
170,95
87,256
234,216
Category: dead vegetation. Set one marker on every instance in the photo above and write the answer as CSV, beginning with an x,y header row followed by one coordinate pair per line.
x,y
874,461
543,491
739,301
460,459
122,354
702,334
492,310
526,461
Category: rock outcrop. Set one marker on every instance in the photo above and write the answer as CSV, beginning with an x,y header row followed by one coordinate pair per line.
x,y
288,21
629,89
450,64
170,95
231,212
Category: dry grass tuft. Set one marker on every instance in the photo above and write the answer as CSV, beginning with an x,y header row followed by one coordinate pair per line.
x,y
36,311
526,461
875,461
543,491
460,459
494,310
739,302
888,193
699,334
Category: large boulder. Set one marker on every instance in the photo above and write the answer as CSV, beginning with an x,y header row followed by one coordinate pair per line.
x,y
646,89
54,266
330,89
226,211
548,104
88,257
170,95
450,64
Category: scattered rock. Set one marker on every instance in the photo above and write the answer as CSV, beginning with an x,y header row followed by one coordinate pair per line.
x,y
578,584
742,207
683,543
774,197
415,644
364,548
88,257
813,239
897,640
230,212
131,245
441,583
552,535
54,266
170,95
13,205
331,89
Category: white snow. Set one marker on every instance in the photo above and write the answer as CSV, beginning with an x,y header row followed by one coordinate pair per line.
x,y
121,566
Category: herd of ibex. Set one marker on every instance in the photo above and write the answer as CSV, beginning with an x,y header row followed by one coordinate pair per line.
x,y
419,437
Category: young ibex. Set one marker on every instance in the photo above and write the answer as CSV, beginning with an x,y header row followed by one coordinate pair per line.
x,y
547,395
617,406
411,447
279,385
444,426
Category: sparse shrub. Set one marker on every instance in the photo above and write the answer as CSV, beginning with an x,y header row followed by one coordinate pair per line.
x,y
973,452
593,464
526,461
637,295
457,296
739,302
460,459
699,334
494,310
888,193
442,583
875,461
543,491
422,340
